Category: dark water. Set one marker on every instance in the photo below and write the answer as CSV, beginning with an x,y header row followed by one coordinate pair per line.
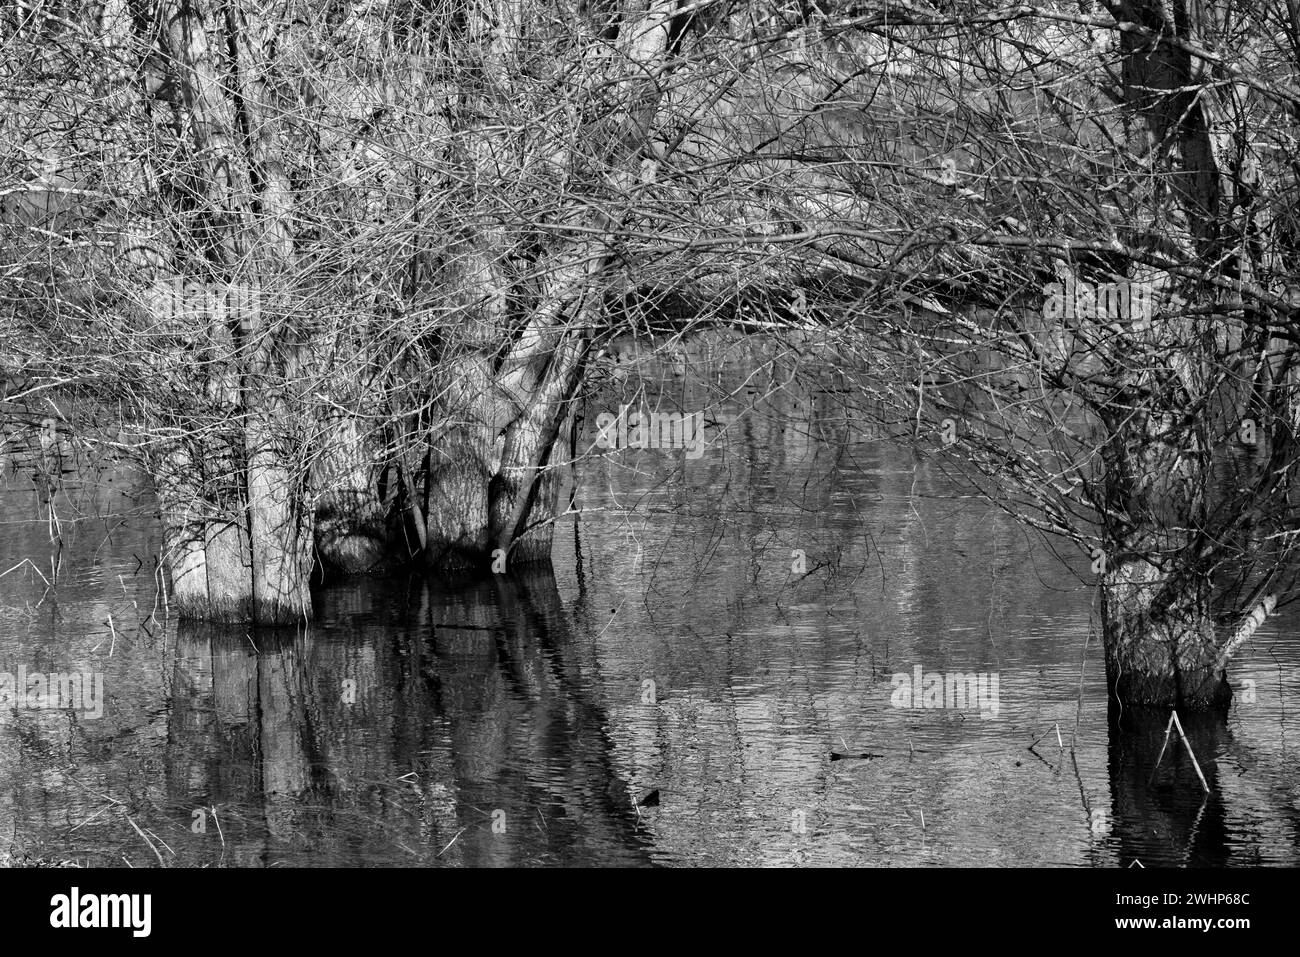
x,y
677,651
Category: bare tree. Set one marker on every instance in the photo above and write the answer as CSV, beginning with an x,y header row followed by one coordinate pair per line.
x,y
1056,241
1098,261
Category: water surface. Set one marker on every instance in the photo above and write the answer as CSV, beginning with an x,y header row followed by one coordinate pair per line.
x,y
716,624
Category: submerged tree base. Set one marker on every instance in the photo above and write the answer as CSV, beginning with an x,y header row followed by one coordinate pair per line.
x,y
1195,691
234,551
1164,805
1161,645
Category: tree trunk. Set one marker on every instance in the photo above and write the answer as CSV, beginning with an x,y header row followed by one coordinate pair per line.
x,y
524,492
355,532
236,545
280,520
463,458
1158,490
533,545
238,509
205,541
488,487
492,487
1160,641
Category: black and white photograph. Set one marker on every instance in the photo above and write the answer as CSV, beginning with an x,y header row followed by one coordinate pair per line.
x,y
686,434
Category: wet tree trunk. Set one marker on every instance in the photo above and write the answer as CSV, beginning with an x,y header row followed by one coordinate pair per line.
x,y
1162,646
1158,626
524,492
205,536
492,487
464,457
365,501
1160,640
533,544
236,544
236,491
492,484
281,520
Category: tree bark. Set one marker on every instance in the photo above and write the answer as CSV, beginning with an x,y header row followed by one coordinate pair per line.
x,y
236,496
1160,630
464,457
1161,647
489,490
360,528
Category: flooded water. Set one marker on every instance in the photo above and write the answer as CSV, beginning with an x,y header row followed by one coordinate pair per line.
x,y
721,619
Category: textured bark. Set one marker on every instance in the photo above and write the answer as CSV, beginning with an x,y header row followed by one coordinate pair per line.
x,y
1161,647
238,510
1159,625
177,482
488,479
463,459
205,552
1158,628
488,486
533,544
525,488
356,531
229,559
280,520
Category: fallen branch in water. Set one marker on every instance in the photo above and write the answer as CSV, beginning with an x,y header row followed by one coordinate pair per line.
x,y
161,862
1057,728
1175,723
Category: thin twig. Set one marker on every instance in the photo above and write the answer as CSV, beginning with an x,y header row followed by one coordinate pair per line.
x,y
1175,723
161,862
452,841
1163,744
216,820
1187,744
